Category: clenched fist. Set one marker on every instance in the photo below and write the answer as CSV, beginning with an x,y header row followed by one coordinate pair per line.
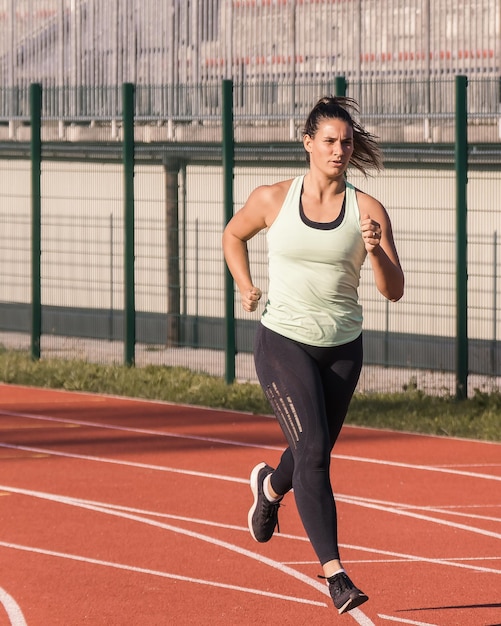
x,y
250,299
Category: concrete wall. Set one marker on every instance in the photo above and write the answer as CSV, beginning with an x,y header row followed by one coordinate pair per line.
x,y
82,240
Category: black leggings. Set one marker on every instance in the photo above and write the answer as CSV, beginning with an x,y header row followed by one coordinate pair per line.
x,y
309,389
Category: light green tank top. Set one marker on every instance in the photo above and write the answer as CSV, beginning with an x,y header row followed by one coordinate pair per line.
x,y
314,272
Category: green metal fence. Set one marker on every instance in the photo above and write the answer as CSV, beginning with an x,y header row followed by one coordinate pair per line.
x,y
118,257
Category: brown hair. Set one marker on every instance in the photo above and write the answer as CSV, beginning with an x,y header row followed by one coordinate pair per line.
x,y
366,151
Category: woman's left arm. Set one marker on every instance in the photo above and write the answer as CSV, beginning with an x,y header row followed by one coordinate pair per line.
x,y
380,245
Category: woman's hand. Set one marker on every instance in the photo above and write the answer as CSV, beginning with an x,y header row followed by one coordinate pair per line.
x,y
378,240
250,299
371,233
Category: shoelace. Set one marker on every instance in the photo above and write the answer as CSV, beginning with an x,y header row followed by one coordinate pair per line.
x,y
341,580
270,510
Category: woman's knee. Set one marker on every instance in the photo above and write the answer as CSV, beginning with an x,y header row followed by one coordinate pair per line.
x,y
316,458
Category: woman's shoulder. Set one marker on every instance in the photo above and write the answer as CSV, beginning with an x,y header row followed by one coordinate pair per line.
x,y
269,199
274,193
365,200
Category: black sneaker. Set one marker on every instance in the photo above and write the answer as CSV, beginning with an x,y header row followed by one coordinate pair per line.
x,y
344,593
263,514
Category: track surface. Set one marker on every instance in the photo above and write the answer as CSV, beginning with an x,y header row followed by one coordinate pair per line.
x,y
132,513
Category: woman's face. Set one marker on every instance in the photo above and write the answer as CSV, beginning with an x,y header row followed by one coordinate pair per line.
x,y
332,146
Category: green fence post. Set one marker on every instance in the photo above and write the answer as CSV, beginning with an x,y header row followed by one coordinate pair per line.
x,y
340,86
228,173
128,167
461,154
36,248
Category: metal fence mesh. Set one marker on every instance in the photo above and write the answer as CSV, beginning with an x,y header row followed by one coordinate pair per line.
x,y
83,286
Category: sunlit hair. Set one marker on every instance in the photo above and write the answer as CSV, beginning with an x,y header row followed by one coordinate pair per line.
x,y
366,151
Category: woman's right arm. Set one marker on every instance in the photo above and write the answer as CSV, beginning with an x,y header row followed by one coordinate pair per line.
x,y
246,223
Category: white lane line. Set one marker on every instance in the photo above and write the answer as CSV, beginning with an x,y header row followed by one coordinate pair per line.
x,y
12,609
444,509
423,468
441,507
423,559
401,620
426,518
149,466
396,556
374,561
357,615
448,511
393,508
360,617
230,442
460,510
471,464
244,529
151,572
491,505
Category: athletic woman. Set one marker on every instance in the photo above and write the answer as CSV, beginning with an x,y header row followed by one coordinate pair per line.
x,y
308,346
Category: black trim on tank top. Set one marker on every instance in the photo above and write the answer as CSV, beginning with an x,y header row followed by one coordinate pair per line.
x,y
323,225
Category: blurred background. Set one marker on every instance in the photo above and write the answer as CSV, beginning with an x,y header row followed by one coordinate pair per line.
x,y
399,60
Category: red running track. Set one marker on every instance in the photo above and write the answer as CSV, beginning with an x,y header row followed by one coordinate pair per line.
x,y
133,513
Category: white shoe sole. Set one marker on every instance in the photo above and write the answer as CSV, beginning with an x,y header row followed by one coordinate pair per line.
x,y
255,490
352,603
